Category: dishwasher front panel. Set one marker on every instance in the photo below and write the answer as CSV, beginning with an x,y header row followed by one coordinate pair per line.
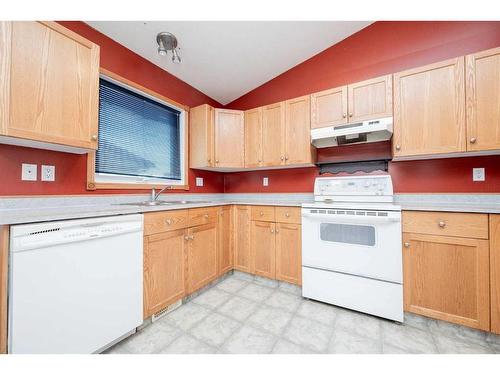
x,y
76,297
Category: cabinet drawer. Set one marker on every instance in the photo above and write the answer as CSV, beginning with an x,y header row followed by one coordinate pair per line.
x,y
200,216
446,224
288,215
263,213
157,222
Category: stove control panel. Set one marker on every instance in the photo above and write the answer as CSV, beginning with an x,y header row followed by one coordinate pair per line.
x,y
336,187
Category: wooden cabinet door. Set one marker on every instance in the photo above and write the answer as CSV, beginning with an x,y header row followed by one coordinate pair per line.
x,y
225,242
241,242
229,139
298,149
202,256
273,135
253,137
483,98
49,84
329,107
495,272
370,99
164,270
429,109
263,248
201,136
289,253
447,278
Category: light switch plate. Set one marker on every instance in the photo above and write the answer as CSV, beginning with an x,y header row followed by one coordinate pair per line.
x,y
199,181
478,174
28,172
48,173
265,181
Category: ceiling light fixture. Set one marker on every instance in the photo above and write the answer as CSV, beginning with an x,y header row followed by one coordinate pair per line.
x,y
168,42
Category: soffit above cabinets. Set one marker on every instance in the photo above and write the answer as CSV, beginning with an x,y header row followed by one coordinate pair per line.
x,y
226,59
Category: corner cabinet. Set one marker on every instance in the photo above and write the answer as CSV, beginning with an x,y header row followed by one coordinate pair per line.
x,y
49,83
216,138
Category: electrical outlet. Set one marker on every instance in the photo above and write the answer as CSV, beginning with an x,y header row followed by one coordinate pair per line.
x,y
265,181
478,174
28,172
199,181
48,173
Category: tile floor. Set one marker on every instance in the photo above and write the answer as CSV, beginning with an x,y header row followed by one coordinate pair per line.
x,y
247,314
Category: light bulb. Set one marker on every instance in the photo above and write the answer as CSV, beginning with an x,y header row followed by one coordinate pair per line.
x,y
176,58
162,51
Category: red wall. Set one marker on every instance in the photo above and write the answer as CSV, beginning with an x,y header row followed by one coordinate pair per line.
x,y
70,168
381,48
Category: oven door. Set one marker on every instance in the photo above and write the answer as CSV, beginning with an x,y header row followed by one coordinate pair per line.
x,y
355,242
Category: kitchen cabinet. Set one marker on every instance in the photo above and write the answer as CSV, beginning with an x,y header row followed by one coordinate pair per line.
x,y
429,110
4,259
201,136
263,248
164,269
229,139
482,97
288,253
225,254
202,256
329,107
253,138
495,272
216,138
360,101
298,148
241,245
49,84
445,276
273,135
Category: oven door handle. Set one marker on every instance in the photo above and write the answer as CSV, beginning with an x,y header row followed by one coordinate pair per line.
x,y
353,218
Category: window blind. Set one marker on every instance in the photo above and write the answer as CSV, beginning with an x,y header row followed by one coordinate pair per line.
x,y
137,136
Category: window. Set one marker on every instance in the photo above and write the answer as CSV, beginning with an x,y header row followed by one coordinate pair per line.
x,y
141,139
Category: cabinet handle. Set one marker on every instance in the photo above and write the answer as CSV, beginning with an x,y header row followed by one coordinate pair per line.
x,y
344,115
473,140
407,244
398,147
94,137
442,224
168,221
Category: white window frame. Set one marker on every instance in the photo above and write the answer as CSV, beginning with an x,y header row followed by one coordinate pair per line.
x,y
108,178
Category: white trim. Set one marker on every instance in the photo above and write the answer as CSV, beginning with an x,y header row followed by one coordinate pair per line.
x,y
112,178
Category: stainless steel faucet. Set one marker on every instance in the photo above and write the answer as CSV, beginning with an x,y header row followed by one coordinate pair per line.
x,y
155,195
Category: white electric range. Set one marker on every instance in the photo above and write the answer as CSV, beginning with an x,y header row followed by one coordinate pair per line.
x,y
351,245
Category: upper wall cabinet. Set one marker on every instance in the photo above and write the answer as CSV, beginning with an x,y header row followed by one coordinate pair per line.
x,y
273,134
216,138
253,137
429,109
483,98
353,103
298,149
49,82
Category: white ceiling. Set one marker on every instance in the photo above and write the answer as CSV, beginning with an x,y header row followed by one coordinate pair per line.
x,y
226,59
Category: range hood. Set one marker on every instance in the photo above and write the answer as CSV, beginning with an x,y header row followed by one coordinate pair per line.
x,y
360,132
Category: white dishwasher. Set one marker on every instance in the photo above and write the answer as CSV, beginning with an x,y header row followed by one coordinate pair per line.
x,y
75,286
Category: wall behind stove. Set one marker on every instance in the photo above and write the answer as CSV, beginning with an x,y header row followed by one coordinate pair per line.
x,y
71,168
381,48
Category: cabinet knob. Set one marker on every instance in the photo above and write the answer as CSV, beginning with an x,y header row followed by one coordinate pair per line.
x,y
344,115
168,221
191,237
186,238
407,244
350,114
286,157
217,161
473,140
260,161
272,230
287,214
277,230
282,158
398,147
209,160
206,216
94,137
261,213
442,224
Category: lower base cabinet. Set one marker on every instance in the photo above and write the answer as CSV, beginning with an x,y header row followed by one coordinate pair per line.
x,y
225,242
164,269
241,239
495,272
448,277
202,256
289,253
263,248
